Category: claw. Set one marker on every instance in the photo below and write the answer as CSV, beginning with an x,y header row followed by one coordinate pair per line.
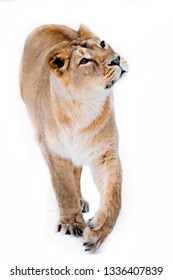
x,y
70,229
85,209
84,206
68,232
59,228
79,231
89,223
89,247
91,226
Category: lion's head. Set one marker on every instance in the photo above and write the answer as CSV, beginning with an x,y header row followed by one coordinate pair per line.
x,y
85,65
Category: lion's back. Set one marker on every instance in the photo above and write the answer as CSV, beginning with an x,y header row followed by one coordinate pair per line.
x,y
46,36
38,42
33,73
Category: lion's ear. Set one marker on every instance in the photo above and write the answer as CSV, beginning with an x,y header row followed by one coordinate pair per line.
x,y
84,32
58,60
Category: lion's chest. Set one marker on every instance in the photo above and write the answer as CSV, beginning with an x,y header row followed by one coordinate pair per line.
x,y
71,145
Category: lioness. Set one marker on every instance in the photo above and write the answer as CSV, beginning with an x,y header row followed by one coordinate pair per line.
x,y
66,81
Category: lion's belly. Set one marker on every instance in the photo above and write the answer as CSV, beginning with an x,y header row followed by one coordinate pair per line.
x,y
76,148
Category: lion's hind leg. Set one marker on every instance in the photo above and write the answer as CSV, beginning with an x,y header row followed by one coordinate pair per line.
x,y
83,203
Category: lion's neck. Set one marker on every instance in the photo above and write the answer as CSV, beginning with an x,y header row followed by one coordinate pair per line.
x,y
80,111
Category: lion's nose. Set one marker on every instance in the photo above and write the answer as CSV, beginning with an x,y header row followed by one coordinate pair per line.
x,y
115,61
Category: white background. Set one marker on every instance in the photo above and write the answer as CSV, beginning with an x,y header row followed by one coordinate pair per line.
x,y
141,31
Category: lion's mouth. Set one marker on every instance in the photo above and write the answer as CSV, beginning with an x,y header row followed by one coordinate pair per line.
x,y
112,82
122,72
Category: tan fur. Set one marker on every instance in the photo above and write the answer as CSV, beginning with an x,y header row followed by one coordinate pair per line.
x,y
70,103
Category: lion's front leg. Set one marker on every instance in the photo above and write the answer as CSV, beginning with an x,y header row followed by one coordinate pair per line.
x,y
64,183
106,171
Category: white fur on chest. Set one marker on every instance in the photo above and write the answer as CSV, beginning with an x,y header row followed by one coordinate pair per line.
x,y
72,146
70,142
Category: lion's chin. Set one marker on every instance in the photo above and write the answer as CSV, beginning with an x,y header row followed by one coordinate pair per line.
x,y
110,84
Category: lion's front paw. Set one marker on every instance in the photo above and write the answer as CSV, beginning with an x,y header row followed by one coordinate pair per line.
x,y
93,239
75,229
97,230
72,224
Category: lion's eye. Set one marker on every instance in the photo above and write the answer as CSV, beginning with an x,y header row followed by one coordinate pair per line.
x,y
84,60
102,44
